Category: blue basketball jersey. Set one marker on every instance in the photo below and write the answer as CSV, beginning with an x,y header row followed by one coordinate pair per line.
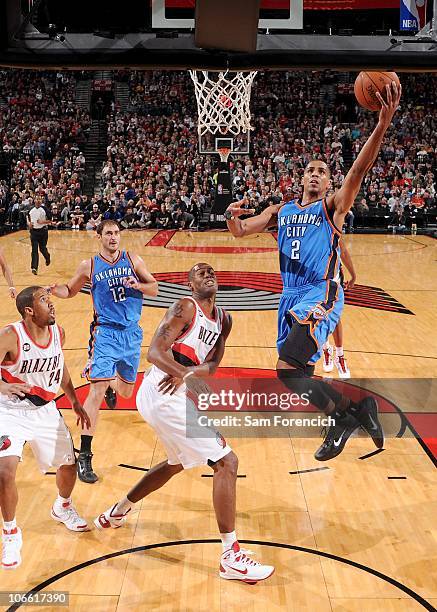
x,y
308,244
115,304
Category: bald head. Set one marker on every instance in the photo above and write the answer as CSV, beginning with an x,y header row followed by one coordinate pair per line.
x,y
195,268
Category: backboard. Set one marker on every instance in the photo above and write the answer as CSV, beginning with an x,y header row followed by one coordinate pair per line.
x,y
274,14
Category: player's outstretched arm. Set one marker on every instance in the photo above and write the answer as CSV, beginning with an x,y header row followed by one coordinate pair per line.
x,y
9,348
245,227
344,198
7,273
177,318
147,285
72,288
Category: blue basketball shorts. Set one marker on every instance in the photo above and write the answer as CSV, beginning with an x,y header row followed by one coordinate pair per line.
x,y
320,306
114,352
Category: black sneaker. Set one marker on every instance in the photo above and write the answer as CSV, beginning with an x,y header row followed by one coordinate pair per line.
x,y
85,468
48,260
111,398
336,437
366,414
34,271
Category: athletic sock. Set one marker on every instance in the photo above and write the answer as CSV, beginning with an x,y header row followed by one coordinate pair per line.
x,y
63,501
9,526
123,506
85,444
228,539
339,351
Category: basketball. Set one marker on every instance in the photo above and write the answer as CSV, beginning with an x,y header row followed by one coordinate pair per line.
x,y
368,83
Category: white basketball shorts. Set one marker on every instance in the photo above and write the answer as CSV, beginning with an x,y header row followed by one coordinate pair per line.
x,y
45,431
167,415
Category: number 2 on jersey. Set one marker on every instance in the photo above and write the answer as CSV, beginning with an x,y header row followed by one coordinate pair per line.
x,y
295,249
118,293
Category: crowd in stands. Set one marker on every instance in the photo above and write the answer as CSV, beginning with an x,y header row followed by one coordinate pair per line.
x,y
154,177
42,132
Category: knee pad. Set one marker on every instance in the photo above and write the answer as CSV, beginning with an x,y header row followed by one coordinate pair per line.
x,y
299,346
319,393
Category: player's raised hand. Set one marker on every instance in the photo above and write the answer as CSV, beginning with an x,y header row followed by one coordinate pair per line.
x,y
56,290
14,390
237,208
389,106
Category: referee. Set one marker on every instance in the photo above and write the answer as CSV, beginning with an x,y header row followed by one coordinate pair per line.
x,y
39,234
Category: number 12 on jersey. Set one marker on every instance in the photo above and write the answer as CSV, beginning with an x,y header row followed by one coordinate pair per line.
x,y
295,249
118,293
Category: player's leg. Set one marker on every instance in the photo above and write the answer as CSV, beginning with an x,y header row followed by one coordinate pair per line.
x,y
235,562
127,366
101,370
155,478
11,533
14,431
52,446
63,509
150,404
339,360
35,246
91,405
327,355
310,322
43,245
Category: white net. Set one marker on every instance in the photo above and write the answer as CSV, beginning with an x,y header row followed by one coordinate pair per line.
x,y
223,101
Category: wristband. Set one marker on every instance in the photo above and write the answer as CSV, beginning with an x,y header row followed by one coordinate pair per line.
x,y
184,378
12,288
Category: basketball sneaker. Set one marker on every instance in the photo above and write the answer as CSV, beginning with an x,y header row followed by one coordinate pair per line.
x,y
341,365
12,542
328,364
85,468
337,436
108,519
111,398
235,564
366,413
66,513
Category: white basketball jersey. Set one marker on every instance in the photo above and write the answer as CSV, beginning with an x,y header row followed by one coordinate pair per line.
x,y
41,367
193,346
195,343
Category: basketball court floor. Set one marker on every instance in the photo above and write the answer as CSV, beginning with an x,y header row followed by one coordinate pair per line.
x,y
356,534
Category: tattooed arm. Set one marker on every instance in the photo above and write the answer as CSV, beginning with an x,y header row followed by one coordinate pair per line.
x,y
176,320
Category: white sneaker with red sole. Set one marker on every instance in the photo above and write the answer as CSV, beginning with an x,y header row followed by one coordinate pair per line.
x,y
235,564
341,365
328,364
12,542
67,514
109,519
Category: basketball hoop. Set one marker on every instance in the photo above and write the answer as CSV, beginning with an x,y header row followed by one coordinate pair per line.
x,y
224,154
223,101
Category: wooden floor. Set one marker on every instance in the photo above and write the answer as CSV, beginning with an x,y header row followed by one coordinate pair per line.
x,y
349,538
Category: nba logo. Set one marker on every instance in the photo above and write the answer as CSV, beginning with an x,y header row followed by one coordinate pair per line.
x,y
413,15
